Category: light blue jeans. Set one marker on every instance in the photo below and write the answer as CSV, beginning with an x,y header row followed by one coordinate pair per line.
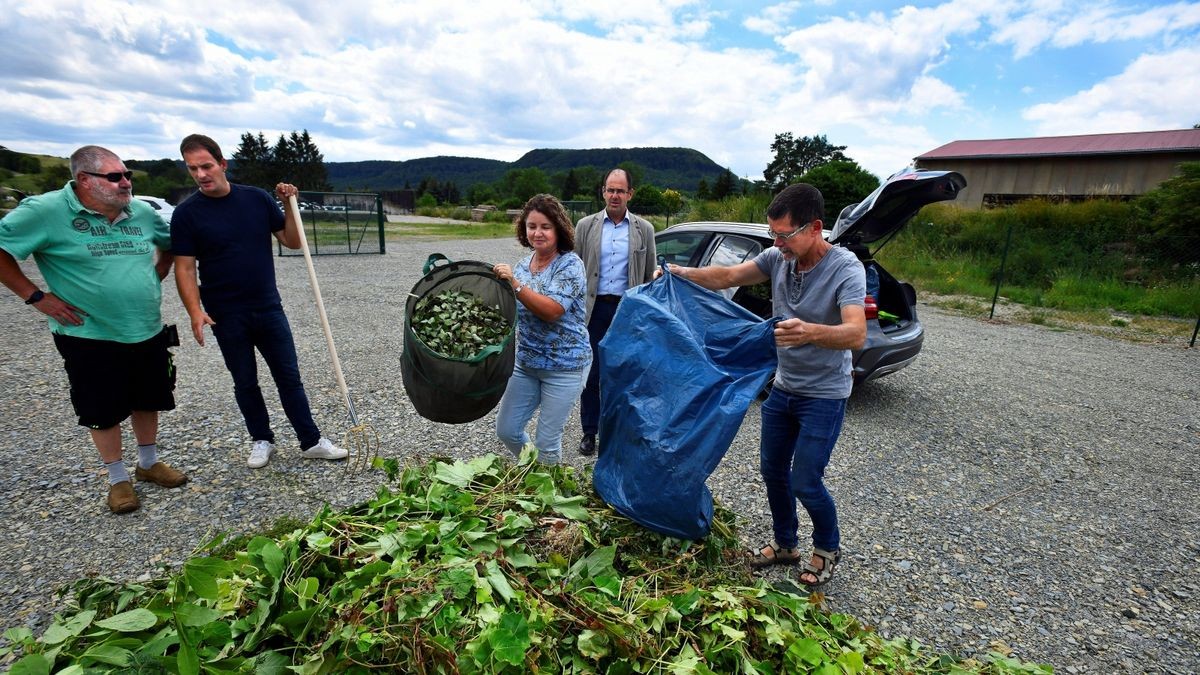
x,y
554,392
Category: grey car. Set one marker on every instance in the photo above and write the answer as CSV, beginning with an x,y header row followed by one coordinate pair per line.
x,y
894,333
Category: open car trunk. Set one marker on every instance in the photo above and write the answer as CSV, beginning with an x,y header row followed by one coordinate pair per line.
x,y
877,218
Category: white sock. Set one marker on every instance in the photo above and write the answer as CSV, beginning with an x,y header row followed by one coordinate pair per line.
x,y
147,456
116,472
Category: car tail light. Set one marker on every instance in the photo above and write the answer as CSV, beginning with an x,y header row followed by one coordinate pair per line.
x,y
870,307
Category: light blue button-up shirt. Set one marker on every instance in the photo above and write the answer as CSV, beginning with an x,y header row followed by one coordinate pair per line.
x,y
614,256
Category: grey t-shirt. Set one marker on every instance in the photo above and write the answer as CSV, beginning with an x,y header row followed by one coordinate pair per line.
x,y
815,296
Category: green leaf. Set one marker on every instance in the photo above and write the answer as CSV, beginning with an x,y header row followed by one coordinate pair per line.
x,y
201,575
18,634
570,507
592,644
104,653
194,615
273,559
187,660
804,653
510,639
57,632
271,663
306,589
32,664
852,662
296,623
609,584
460,474
598,562
499,582
130,622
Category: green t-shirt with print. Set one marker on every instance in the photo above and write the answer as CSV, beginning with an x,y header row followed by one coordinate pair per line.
x,y
105,269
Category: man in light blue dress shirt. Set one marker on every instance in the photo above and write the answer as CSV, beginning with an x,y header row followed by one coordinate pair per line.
x,y
617,248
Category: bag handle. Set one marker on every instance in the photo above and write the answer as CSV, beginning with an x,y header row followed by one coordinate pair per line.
x,y
432,262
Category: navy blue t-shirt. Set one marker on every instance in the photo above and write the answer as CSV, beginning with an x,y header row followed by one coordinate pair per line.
x,y
231,239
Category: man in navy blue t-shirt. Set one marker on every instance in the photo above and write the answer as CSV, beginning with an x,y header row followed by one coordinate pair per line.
x,y
227,228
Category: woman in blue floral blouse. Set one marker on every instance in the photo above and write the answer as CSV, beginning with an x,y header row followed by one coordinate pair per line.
x,y
553,354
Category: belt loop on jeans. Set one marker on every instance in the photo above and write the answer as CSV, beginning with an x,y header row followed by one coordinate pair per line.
x,y
608,298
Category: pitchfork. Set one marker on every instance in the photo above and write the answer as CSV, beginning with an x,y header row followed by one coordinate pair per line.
x,y
361,440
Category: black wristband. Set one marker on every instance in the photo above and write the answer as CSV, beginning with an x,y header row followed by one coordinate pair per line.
x,y
35,298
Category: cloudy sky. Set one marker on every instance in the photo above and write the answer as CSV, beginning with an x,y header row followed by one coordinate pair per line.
x,y
400,80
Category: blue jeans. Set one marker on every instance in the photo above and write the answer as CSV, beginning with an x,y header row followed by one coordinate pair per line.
x,y
555,392
589,402
267,330
798,435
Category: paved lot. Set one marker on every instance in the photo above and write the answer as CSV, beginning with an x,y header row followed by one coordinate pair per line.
x,y
1017,488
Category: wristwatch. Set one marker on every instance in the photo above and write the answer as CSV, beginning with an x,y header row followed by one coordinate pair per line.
x,y
35,298
518,289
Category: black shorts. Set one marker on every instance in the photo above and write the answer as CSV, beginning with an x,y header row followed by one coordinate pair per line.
x,y
109,380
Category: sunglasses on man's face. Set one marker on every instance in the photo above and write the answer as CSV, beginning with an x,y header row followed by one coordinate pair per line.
x,y
112,176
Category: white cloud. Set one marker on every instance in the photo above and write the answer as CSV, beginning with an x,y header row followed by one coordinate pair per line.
x,y
772,20
1063,24
1156,91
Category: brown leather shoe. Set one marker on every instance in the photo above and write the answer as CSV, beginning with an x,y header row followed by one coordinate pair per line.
x,y
122,498
161,474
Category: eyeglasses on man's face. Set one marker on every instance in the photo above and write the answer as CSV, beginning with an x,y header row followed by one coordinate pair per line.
x,y
112,176
784,236
612,192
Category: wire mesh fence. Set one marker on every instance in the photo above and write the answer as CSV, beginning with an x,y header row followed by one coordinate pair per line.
x,y
341,223
1152,273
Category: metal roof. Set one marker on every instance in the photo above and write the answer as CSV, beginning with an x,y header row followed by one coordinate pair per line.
x,y
1175,140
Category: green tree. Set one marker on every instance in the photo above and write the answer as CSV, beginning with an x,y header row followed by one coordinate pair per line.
x,y
253,162
635,171
53,177
521,184
570,185
648,199
842,183
795,157
1170,218
673,200
702,191
308,170
284,160
724,186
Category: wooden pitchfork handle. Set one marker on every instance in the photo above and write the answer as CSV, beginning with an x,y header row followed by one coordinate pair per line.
x,y
294,206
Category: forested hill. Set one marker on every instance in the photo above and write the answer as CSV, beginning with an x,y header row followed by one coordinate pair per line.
x,y
679,168
380,174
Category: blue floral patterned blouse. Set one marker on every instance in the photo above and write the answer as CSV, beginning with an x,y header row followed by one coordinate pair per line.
x,y
562,344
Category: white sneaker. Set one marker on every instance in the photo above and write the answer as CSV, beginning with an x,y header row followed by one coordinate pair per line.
x,y
324,449
260,454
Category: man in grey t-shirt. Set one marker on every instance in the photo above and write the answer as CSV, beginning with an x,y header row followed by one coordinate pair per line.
x,y
819,291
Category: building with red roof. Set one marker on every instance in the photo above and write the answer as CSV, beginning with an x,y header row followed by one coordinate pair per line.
x,y
1121,166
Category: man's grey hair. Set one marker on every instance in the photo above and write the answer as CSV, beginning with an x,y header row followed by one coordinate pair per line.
x,y
90,158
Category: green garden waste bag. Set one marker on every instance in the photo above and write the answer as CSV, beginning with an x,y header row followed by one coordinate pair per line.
x,y
452,389
679,368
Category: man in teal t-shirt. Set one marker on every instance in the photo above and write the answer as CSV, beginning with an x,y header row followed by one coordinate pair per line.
x,y
103,256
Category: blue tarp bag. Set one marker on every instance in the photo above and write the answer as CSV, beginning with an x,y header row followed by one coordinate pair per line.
x,y
679,368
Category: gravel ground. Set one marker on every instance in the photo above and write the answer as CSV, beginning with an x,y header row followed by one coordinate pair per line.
x,y
1017,488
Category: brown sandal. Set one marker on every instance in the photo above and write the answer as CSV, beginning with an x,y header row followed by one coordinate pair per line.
x,y
772,554
829,560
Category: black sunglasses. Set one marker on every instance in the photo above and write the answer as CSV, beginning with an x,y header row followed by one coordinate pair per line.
x,y
112,176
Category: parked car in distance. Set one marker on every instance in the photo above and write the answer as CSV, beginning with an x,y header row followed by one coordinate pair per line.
x,y
894,333
161,205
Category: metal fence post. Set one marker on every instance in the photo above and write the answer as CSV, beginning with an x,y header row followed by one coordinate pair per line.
x,y
1003,262
379,217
